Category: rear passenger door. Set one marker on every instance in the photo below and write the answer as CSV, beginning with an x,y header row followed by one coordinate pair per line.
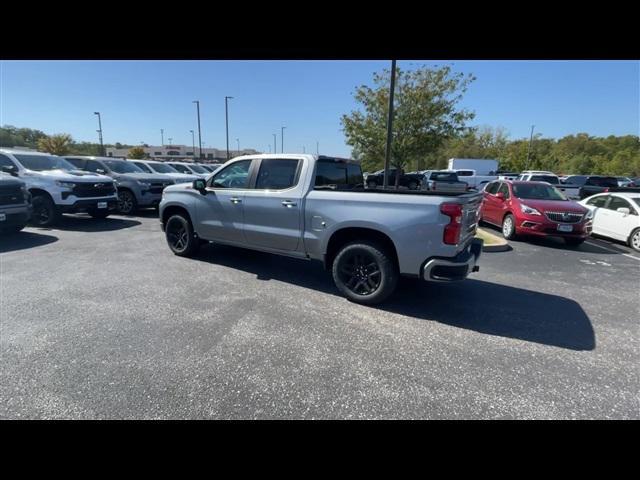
x,y
273,206
489,202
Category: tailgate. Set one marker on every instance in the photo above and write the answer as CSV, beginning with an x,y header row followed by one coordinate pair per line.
x,y
470,217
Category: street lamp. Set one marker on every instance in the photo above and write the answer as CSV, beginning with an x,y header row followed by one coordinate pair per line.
x,y
317,148
100,132
197,102
226,116
238,140
282,138
193,143
162,136
275,146
529,149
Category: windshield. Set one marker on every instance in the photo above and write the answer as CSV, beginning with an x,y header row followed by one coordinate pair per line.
x,y
44,162
144,167
545,178
444,176
180,168
122,166
197,168
465,173
163,168
537,191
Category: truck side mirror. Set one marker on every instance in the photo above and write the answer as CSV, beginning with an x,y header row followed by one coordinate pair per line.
x,y
200,185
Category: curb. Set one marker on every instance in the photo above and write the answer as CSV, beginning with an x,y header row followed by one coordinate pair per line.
x,y
501,245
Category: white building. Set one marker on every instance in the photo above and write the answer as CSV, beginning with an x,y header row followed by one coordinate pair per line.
x,y
182,152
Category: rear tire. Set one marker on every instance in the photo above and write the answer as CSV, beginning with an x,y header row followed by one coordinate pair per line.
x,y
509,227
574,242
45,213
634,240
365,272
180,236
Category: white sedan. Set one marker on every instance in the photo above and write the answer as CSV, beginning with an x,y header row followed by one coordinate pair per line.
x,y
617,216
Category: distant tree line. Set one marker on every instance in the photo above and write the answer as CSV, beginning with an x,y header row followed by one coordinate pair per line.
x,y
429,127
59,144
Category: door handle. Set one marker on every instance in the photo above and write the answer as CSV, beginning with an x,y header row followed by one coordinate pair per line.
x,y
235,200
288,204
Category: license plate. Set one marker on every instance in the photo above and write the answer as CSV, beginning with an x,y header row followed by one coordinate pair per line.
x,y
3,217
565,228
102,204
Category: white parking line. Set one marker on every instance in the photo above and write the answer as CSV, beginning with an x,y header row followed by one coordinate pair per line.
x,y
612,251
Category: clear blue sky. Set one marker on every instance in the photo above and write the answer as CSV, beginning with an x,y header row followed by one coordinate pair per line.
x,y
138,98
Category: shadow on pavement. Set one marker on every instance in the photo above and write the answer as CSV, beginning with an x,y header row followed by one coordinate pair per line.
x,y
476,305
556,242
24,240
85,223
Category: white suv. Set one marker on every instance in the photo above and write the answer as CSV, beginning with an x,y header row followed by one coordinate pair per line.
x,y
58,187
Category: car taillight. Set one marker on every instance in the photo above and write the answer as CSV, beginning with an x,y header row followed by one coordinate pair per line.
x,y
452,230
606,190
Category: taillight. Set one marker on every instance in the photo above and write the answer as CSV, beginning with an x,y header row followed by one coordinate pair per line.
x,y
452,230
606,190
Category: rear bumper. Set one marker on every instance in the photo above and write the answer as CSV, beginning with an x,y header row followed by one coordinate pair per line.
x,y
452,269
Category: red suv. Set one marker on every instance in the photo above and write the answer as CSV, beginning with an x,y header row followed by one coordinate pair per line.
x,y
534,208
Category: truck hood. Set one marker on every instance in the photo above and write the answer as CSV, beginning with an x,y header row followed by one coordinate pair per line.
x,y
143,177
178,187
69,175
554,205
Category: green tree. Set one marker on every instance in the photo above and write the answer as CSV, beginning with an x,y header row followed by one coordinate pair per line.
x,y
58,144
136,153
426,113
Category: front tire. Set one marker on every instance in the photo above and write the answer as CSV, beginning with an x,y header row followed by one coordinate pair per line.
x,y
126,202
634,240
509,227
45,213
180,236
365,272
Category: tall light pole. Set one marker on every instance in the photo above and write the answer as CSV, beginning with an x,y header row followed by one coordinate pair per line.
x,y
317,148
162,136
100,133
226,117
193,143
282,139
197,102
238,140
387,155
529,149
275,146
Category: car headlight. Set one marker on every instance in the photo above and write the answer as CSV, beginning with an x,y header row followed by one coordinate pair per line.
x,y
528,210
65,184
589,215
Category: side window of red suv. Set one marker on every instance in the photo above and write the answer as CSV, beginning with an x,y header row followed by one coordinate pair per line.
x,y
504,188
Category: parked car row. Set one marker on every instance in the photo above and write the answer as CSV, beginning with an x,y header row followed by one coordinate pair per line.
x,y
98,186
538,208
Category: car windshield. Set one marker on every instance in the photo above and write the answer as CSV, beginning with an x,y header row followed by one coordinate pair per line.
x,y
537,191
545,178
163,168
122,166
197,168
44,162
444,176
180,168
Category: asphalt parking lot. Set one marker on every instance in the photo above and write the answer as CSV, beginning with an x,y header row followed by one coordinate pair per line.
x,y
100,320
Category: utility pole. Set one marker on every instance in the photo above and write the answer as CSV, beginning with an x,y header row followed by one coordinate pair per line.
x,y
238,140
197,102
162,136
100,133
317,148
529,149
275,146
226,116
282,139
389,126
193,143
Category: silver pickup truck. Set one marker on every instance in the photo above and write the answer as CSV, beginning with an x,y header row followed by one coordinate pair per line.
x,y
316,208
